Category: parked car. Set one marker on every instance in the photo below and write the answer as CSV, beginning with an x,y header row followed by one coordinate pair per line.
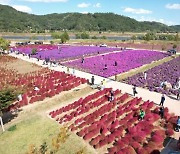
x,y
172,51
103,45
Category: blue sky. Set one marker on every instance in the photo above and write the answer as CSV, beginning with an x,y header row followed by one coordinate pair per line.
x,y
164,11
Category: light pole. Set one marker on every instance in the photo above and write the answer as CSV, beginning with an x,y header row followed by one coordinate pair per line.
x,y
1,121
2,124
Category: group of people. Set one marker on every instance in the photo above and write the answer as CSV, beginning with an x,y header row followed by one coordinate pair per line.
x,y
176,86
49,61
68,71
101,86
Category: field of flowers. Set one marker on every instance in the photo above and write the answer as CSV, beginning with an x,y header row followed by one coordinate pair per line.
x,y
61,52
49,83
168,71
113,127
126,60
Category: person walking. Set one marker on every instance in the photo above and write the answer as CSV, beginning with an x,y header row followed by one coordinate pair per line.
x,y
105,67
141,115
162,100
73,71
134,90
92,80
145,75
115,64
82,60
178,92
177,128
103,82
67,70
111,97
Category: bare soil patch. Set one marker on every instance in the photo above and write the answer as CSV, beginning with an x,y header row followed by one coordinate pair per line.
x,y
21,66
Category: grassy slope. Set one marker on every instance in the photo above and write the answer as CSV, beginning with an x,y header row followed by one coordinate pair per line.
x,y
35,131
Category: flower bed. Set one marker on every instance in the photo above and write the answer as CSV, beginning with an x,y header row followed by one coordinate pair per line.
x,y
114,125
168,71
48,82
126,61
62,52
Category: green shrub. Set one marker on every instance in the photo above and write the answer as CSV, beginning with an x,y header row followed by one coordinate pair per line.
x,y
7,96
174,46
103,37
93,37
84,35
34,51
12,128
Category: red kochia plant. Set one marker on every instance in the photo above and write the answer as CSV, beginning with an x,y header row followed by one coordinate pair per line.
x,y
169,132
160,132
103,142
157,139
138,138
120,144
152,145
81,133
173,119
142,151
135,145
120,152
97,146
94,141
113,149
128,150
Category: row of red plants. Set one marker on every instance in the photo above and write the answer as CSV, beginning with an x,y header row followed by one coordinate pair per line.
x,y
48,82
114,125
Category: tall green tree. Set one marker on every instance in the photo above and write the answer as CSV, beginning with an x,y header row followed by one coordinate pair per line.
x,y
64,37
4,44
133,38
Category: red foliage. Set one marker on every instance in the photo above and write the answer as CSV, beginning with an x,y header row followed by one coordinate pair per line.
x,y
152,145
120,144
112,149
160,132
135,145
103,142
138,139
97,146
157,139
169,132
142,151
173,119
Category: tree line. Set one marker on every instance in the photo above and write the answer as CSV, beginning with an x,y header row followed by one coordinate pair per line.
x,y
14,21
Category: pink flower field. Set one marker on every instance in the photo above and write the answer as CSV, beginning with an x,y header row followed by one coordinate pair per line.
x,y
126,60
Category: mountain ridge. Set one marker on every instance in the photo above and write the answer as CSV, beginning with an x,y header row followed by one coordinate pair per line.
x,y
12,20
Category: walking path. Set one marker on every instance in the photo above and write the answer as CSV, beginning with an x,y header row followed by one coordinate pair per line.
x,y
172,104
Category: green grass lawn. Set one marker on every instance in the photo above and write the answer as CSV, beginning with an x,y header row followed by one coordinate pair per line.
x,y
36,130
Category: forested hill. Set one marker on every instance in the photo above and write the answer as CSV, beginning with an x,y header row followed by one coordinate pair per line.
x,y
15,21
